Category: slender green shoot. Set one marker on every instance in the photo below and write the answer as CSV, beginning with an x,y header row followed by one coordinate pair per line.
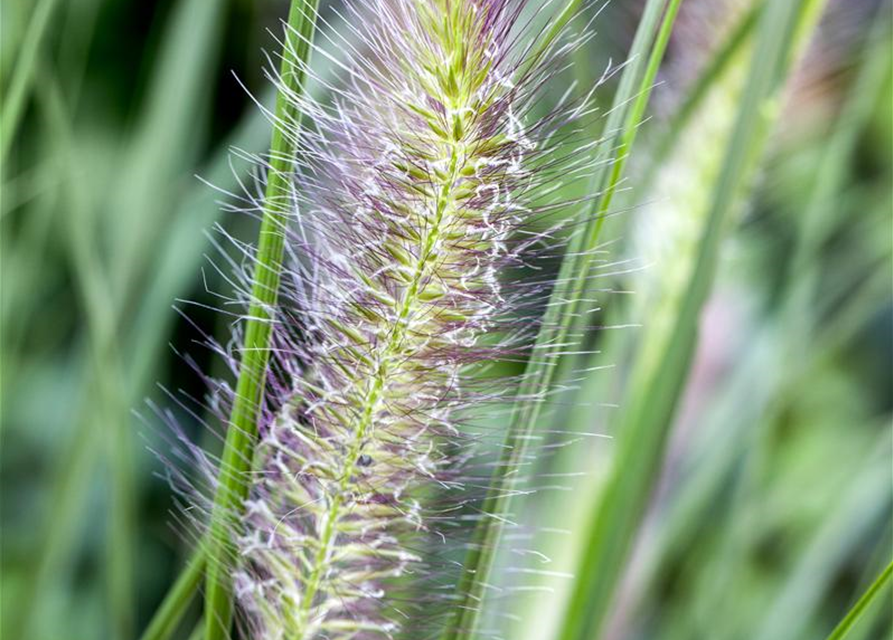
x,y
177,600
637,112
650,412
632,95
846,625
153,320
238,448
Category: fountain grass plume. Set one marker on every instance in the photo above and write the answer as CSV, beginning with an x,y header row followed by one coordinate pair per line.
x,y
417,187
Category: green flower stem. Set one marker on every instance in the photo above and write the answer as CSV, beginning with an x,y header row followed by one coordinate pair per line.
x,y
557,322
238,448
643,431
843,629
637,112
177,600
152,322
627,138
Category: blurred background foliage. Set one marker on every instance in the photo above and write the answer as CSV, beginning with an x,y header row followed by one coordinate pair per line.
x,y
769,504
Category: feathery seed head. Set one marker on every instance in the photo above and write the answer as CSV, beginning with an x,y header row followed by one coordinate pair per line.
x,y
415,186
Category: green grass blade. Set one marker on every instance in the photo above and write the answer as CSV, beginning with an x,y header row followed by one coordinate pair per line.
x,y
110,410
646,420
160,156
195,33
631,97
878,613
752,397
198,631
715,68
638,109
184,243
770,364
16,94
197,212
615,344
237,453
177,600
819,220
835,163
849,523
634,118
852,617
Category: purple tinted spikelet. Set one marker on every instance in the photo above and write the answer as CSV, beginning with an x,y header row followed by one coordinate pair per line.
x,y
417,188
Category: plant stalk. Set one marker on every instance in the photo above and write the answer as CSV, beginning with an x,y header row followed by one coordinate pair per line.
x,y
558,320
843,629
643,431
232,485
177,600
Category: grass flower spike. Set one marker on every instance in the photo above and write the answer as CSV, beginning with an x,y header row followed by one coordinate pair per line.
x,y
418,185
486,319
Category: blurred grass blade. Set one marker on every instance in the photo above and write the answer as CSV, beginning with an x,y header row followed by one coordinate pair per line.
x,y
68,494
232,487
631,97
16,94
170,612
852,617
715,68
818,220
645,421
192,38
770,364
718,82
184,243
161,155
109,410
198,631
848,525
199,25
836,159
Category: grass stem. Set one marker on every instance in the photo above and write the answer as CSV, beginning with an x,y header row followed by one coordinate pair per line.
x,y
646,421
556,324
177,600
238,448
843,629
